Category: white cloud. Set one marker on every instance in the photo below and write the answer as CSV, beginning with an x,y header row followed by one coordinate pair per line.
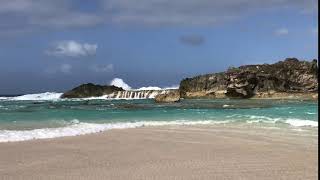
x,y
72,49
281,32
120,83
102,68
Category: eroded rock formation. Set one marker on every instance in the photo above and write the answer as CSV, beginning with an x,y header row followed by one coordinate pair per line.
x,y
288,76
168,97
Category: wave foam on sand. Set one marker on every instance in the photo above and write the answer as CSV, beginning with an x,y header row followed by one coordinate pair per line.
x,y
81,128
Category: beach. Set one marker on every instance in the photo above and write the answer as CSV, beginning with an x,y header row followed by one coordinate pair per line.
x,y
159,90
167,152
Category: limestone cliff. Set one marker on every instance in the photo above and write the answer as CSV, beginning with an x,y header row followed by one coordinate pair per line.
x,y
290,76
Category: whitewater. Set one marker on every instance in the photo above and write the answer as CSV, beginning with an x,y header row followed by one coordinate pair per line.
x,y
140,93
148,92
46,115
78,128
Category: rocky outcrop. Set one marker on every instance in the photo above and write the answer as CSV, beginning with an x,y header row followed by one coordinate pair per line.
x,y
168,97
90,90
136,94
288,76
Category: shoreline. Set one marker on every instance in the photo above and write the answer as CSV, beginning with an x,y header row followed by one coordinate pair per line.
x,y
166,152
85,128
48,96
308,96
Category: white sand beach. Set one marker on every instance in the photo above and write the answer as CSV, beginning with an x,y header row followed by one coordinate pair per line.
x,y
168,152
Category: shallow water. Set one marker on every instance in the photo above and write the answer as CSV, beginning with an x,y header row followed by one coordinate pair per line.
x,y
32,119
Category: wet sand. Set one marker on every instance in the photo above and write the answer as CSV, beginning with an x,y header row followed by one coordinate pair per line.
x,y
168,152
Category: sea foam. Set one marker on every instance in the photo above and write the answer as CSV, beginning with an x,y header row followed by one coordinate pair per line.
x,y
156,88
53,96
81,128
272,120
299,122
35,97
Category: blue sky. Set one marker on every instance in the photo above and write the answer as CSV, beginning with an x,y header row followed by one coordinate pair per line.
x,y
48,45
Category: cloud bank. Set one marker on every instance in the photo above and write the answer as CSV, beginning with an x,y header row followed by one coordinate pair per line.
x,y
72,49
194,12
20,16
31,15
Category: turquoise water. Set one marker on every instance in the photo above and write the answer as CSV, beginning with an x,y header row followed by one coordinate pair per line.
x,y
20,118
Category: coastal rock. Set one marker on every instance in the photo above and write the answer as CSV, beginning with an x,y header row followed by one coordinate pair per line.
x,y
170,96
136,94
315,96
90,90
288,76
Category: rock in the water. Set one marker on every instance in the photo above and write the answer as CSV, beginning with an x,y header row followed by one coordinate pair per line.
x,y
288,76
168,97
90,90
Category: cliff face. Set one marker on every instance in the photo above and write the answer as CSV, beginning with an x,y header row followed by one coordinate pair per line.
x,y
288,76
90,90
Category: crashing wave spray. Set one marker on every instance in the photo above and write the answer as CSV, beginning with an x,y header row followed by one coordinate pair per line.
x,y
137,94
141,93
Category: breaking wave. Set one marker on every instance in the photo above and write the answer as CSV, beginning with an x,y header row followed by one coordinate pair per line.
x,y
157,88
81,128
35,97
129,92
120,83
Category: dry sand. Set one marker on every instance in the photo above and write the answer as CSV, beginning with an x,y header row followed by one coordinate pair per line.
x,y
171,152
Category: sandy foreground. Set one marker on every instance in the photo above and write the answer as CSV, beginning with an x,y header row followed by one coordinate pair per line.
x,y
169,152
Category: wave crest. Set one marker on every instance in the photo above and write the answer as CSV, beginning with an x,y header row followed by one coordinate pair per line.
x,y
35,97
76,128
80,128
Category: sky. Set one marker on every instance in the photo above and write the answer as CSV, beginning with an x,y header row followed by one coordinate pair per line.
x,y
55,45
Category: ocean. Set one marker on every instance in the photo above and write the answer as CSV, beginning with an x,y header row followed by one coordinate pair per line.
x,y
40,116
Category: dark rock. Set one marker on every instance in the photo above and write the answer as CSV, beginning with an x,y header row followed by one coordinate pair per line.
x,y
288,76
90,90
